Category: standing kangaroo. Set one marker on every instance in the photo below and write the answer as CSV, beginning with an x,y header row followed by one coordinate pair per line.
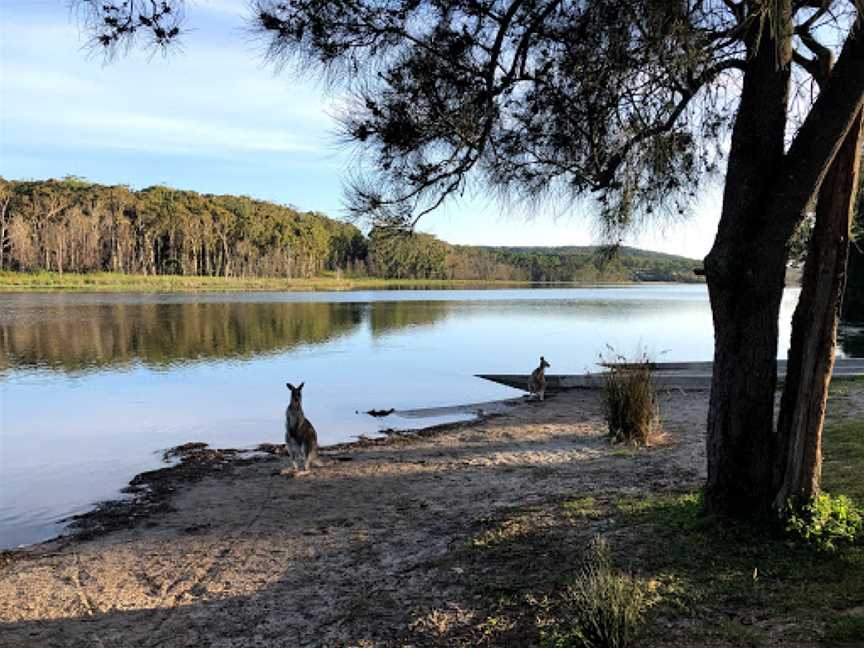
x,y
300,437
537,382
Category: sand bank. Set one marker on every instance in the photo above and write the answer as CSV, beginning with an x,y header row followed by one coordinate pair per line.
x,y
223,551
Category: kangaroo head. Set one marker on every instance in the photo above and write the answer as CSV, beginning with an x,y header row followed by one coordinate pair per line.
x,y
543,363
296,394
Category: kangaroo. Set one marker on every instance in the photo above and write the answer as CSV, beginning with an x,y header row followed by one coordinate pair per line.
x,y
537,381
300,437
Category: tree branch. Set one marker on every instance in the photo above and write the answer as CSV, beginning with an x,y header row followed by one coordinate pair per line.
x,y
822,133
707,76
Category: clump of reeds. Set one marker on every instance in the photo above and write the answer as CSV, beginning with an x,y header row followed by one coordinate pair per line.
x,y
602,608
630,401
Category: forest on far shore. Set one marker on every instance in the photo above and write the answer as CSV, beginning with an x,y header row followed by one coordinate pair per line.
x,y
72,225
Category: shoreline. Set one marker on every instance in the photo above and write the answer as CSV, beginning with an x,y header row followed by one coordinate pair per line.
x,y
361,552
149,492
22,282
444,536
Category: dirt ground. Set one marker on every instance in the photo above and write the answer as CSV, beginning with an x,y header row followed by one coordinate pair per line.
x,y
352,555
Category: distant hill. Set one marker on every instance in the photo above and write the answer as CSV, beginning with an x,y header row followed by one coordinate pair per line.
x,y
560,262
72,225
622,250
425,256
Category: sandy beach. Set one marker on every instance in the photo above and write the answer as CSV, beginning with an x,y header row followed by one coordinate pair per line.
x,y
359,553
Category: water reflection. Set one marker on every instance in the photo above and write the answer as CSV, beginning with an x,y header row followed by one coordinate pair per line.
x,y
76,335
72,337
387,317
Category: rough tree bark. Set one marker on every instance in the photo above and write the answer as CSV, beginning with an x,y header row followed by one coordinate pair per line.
x,y
745,279
766,194
798,458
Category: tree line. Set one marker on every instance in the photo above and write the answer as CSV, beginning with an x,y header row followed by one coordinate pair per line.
x,y
75,226
71,225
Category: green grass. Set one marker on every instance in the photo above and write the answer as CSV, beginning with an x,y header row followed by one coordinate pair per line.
x,y
602,607
847,629
716,572
582,507
706,581
117,282
843,459
738,581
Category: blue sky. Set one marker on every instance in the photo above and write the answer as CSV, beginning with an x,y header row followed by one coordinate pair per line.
x,y
212,117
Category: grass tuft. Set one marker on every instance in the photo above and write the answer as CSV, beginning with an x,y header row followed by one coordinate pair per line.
x,y
630,403
602,608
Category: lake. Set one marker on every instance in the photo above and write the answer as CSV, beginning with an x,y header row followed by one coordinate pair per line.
x,y
94,386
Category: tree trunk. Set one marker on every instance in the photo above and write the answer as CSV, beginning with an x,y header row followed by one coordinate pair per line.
x,y
745,272
741,408
4,236
798,454
5,218
226,270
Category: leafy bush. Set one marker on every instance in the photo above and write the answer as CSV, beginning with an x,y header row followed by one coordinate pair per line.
x,y
602,608
630,404
826,521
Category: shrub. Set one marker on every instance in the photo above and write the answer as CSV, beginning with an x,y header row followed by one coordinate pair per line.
x,y
602,608
630,404
826,521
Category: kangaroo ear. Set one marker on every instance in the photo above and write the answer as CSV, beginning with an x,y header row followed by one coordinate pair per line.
x,y
289,386
301,386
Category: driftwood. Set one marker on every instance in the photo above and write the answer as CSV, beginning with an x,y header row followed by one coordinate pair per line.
x,y
381,412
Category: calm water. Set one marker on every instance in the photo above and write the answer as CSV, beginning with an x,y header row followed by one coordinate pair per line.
x,y
93,387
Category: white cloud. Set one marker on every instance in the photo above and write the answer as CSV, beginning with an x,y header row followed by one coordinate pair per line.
x,y
210,100
128,130
22,77
231,7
